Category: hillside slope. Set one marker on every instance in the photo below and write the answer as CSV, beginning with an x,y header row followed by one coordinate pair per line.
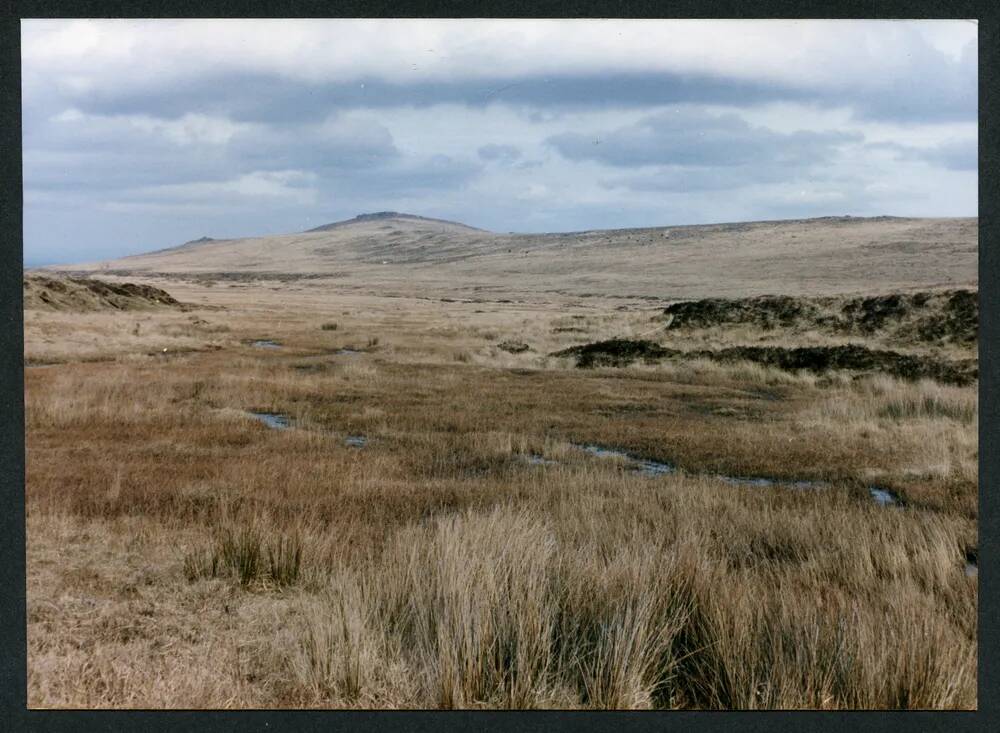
x,y
403,252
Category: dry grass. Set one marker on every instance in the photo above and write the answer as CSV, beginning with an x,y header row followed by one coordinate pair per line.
x,y
181,554
400,256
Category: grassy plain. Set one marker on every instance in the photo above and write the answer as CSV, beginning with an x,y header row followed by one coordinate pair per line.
x,y
183,554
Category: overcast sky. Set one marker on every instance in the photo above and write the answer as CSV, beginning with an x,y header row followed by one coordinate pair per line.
x,y
140,135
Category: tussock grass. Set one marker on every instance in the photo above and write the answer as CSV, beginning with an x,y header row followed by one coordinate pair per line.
x,y
284,560
241,553
201,562
339,651
478,615
927,401
932,426
183,555
246,553
886,397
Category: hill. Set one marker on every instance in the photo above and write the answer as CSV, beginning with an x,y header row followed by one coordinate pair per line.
x,y
396,252
385,216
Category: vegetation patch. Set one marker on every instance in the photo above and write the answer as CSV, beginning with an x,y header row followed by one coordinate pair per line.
x,y
247,555
950,316
513,347
817,359
851,357
617,352
85,294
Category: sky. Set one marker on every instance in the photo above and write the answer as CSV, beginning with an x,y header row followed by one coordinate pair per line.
x,y
144,134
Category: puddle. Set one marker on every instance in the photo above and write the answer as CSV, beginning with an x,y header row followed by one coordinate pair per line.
x,y
641,465
883,497
279,421
762,482
537,460
265,344
272,419
658,468
647,467
756,482
347,352
652,468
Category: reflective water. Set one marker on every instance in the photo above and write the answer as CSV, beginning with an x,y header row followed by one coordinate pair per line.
x,y
537,460
645,466
266,344
764,482
658,468
272,419
279,421
642,465
883,497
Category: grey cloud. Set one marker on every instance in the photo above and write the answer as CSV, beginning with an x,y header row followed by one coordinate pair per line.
x,y
499,152
101,153
402,178
341,144
956,155
683,179
412,176
347,141
267,97
932,88
89,170
692,137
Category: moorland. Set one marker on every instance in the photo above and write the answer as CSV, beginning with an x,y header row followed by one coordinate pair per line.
x,y
397,462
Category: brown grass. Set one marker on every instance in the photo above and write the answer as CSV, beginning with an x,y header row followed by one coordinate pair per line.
x,y
429,259
181,554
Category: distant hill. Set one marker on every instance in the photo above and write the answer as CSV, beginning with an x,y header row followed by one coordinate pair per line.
x,y
391,251
385,216
186,245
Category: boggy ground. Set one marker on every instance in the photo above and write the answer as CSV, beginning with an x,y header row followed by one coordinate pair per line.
x,y
183,554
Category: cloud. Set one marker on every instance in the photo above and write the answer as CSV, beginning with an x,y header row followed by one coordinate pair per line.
x,y
337,143
436,174
277,69
190,129
687,179
271,98
288,184
505,153
75,149
945,93
956,155
689,136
